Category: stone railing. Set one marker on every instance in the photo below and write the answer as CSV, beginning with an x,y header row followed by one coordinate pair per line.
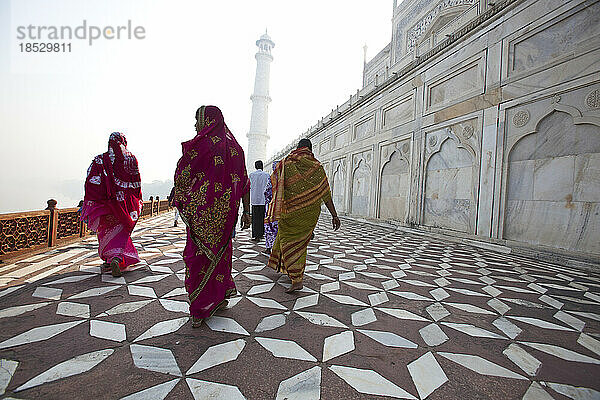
x,y
26,232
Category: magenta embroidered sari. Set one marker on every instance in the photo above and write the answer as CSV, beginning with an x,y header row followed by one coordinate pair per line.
x,y
210,180
113,201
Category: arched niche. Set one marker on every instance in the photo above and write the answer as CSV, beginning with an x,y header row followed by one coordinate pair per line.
x,y
338,188
553,183
361,187
450,187
395,187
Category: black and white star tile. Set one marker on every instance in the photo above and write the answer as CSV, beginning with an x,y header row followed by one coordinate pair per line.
x,y
384,314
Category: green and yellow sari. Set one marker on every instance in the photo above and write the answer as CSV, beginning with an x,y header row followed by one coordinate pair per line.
x,y
300,187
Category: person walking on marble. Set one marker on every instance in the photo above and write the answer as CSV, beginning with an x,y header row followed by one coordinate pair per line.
x,y
300,187
270,226
171,198
113,202
210,180
258,183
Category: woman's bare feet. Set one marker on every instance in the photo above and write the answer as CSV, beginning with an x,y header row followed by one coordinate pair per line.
x,y
294,287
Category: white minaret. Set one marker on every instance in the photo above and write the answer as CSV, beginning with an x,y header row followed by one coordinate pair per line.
x,y
257,135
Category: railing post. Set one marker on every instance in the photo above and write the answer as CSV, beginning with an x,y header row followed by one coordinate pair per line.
x,y
53,222
151,205
157,205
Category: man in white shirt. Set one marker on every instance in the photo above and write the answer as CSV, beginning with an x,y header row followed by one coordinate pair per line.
x,y
258,183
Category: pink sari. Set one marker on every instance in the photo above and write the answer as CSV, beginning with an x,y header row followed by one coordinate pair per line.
x,y
113,201
210,180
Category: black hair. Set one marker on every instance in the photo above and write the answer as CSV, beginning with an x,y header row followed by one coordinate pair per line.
x,y
258,164
305,143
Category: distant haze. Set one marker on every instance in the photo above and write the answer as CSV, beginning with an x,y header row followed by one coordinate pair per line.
x,y
58,109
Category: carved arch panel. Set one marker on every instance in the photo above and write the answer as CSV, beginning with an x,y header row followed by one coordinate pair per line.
x,y
394,190
338,185
361,183
552,180
451,177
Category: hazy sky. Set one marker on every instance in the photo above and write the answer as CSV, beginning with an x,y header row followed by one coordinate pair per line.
x,y
57,110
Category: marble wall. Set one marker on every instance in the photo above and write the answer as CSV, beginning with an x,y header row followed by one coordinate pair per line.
x,y
495,136
394,191
553,185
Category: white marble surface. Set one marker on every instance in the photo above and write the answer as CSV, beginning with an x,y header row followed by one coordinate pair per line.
x,y
18,310
321,319
38,334
481,365
7,370
107,330
210,390
285,349
389,339
426,374
433,335
154,359
560,352
370,382
271,322
163,328
74,366
528,363
303,386
158,392
218,354
363,317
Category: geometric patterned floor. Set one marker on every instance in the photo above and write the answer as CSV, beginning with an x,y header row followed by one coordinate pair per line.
x,y
384,313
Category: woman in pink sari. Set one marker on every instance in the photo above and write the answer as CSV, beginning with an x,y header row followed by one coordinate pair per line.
x,y
210,181
113,203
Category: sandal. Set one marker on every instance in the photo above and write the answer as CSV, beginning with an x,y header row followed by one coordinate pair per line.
x,y
196,322
115,268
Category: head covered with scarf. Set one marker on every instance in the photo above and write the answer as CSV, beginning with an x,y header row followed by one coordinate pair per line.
x,y
113,180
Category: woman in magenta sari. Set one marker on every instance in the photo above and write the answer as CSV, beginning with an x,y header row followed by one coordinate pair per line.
x,y
113,202
210,180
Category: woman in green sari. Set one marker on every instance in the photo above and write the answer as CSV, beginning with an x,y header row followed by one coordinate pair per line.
x,y
301,185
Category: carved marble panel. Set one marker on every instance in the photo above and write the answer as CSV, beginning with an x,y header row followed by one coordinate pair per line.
x,y
554,40
338,188
341,138
553,188
364,128
465,81
450,181
395,181
325,145
361,183
399,112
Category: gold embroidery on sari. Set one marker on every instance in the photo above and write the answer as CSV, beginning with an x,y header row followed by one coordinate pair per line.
x,y
208,122
218,160
235,178
215,139
234,151
218,186
209,223
192,153
182,184
219,278
207,227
